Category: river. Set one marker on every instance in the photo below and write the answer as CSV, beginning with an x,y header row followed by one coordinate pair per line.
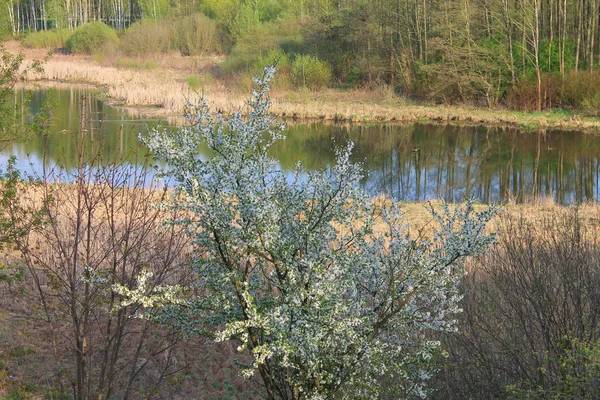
x,y
409,162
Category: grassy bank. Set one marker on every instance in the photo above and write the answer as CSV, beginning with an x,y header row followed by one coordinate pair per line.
x,y
161,87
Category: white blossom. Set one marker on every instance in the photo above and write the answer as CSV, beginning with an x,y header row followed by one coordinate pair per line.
x,y
292,271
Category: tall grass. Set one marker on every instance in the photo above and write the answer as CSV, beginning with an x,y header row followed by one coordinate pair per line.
x,y
54,39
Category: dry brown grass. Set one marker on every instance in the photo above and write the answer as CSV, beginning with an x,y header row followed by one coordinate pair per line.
x,y
163,91
205,371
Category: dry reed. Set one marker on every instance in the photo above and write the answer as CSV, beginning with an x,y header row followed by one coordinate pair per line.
x,y
164,92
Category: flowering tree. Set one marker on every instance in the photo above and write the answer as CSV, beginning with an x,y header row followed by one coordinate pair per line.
x,y
295,271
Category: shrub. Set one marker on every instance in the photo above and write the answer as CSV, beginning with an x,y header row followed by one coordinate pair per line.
x,y
531,313
193,81
293,270
591,105
92,37
309,71
284,67
12,71
144,38
47,39
195,35
258,42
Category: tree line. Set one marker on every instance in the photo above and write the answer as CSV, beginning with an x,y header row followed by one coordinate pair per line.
x,y
528,54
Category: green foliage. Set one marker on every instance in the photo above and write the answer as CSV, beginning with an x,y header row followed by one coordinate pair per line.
x,y
355,75
91,38
56,394
12,72
153,9
591,104
550,56
195,35
193,81
5,24
52,39
16,220
282,79
258,43
579,378
269,10
309,71
244,20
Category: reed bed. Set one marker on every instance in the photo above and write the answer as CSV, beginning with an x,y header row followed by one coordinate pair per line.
x,y
164,91
167,92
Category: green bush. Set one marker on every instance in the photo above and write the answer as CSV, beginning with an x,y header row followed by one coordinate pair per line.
x,y
144,38
259,42
92,37
591,105
310,71
284,67
193,81
47,39
195,35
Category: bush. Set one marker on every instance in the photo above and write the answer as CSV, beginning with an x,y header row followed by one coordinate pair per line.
x,y
193,81
531,311
144,38
259,42
284,67
192,35
92,37
195,35
47,39
591,105
578,90
294,271
309,71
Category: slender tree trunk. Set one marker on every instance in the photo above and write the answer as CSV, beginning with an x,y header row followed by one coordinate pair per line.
x,y
563,40
579,34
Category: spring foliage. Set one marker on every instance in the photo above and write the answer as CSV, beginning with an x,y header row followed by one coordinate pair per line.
x,y
92,37
293,270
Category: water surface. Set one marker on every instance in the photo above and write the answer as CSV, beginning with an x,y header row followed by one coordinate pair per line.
x,y
415,162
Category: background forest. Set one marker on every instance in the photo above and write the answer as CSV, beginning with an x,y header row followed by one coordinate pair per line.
x,y
526,54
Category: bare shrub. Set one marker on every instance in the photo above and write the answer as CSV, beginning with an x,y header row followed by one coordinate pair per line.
x,y
146,37
530,306
96,228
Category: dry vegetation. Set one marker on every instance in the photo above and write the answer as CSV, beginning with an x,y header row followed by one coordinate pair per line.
x,y
530,325
37,341
160,86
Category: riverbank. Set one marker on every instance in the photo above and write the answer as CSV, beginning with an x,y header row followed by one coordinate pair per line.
x,y
160,87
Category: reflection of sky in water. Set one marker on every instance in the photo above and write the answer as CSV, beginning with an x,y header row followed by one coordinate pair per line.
x,y
408,162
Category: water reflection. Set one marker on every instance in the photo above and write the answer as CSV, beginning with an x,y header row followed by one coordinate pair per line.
x,y
414,162
80,122
420,162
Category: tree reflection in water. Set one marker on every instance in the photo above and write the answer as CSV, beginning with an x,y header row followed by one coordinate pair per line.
x,y
410,162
